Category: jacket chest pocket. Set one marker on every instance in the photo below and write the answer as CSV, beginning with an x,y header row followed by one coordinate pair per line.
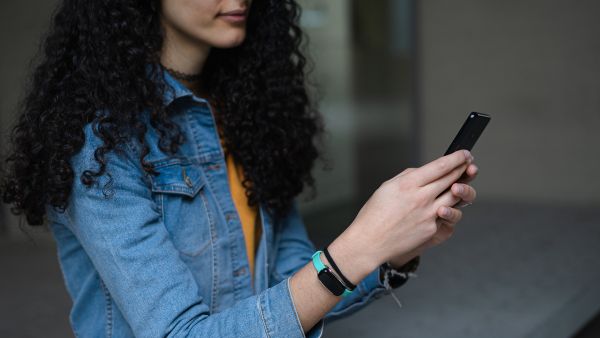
x,y
178,190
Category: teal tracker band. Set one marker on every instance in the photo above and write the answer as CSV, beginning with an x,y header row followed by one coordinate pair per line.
x,y
327,278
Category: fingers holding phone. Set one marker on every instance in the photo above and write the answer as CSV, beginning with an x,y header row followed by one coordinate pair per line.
x,y
459,194
433,171
453,193
415,209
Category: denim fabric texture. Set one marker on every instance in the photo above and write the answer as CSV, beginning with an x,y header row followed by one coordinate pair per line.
x,y
164,256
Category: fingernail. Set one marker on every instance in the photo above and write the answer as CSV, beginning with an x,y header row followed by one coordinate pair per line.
x,y
459,189
468,155
445,212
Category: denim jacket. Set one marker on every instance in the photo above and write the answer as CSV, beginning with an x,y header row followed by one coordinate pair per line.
x,y
164,256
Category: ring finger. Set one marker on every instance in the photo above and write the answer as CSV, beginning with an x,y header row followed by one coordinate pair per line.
x,y
449,215
464,192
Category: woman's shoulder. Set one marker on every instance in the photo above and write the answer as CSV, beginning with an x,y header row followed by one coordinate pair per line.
x,y
96,147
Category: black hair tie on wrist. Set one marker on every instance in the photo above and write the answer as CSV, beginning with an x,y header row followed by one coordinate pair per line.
x,y
349,284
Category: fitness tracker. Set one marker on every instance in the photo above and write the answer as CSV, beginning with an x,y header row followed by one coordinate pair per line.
x,y
327,278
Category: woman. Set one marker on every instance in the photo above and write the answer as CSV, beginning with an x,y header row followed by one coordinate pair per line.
x,y
163,143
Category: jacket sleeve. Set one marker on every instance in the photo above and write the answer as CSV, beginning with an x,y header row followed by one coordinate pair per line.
x,y
119,226
295,250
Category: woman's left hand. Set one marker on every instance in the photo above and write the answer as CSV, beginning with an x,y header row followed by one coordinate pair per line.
x,y
460,194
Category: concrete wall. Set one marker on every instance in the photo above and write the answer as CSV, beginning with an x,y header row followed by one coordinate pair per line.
x,y
534,65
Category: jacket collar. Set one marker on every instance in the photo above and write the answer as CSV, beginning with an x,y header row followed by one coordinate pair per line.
x,y
174,89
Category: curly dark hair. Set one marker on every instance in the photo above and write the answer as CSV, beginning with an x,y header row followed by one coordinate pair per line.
x,y
95,58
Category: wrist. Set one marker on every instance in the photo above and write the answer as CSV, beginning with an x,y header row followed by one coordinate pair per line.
x,y
400,261
353,262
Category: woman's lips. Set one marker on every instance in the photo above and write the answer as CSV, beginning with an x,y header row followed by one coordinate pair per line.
x,y
236,16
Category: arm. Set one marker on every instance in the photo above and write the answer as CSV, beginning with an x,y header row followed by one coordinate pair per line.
x,y
128,244
295,250
427,195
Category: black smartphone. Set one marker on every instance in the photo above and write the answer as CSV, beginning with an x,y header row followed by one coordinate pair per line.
x,y
469,132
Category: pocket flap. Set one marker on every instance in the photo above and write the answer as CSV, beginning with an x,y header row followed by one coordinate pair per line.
x,y
177,178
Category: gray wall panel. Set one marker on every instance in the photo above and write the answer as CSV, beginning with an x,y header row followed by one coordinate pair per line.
x,y
534,65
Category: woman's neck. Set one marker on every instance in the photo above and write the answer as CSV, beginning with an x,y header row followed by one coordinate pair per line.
x,y
184,55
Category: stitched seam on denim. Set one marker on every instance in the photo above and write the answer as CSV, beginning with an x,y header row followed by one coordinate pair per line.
x,y
190,126
276,244
262,315
199,250
202,157
213,240
169,161
266,249
166,189
233,247
161,206
108,308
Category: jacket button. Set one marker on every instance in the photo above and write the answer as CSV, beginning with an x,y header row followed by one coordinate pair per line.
x,y
240,272
229,216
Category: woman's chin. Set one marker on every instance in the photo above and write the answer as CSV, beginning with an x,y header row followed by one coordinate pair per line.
x,y
229,40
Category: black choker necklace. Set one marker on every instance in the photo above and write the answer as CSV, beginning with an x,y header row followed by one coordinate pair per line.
x,y
183,76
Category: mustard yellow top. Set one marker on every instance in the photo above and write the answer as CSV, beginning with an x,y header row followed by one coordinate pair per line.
x,y
248,215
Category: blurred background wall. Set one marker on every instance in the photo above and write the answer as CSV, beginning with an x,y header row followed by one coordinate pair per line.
x,y
534,65
22,24
362,82
395,79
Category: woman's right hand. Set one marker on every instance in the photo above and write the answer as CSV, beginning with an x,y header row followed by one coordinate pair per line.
x,y
400,216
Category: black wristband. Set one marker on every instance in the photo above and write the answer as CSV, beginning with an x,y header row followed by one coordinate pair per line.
x,y
347,283
330,282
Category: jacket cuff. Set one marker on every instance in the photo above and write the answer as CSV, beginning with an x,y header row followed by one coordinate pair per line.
x,y
373,284
279,316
